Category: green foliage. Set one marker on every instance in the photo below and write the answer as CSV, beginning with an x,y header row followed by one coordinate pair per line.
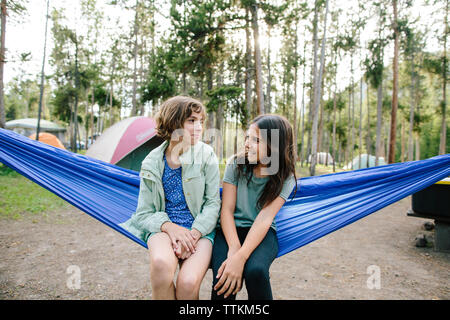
x,y
374,65
160,84
102,96
231,98
198,40
340,103
435,65
62,101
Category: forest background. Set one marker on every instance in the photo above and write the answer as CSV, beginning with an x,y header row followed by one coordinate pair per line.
x,y
352,77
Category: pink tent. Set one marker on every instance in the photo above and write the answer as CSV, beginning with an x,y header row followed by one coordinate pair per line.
x,y
126,143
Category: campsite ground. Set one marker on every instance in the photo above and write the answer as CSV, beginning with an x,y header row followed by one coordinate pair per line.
x,y
41,255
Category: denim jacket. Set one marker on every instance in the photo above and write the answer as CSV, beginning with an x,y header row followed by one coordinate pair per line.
x,y
201,186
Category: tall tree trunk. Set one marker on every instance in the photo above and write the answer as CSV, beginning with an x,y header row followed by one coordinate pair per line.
x,y
378,148
135,57
141,70
111,95
86,117
41,90
75,111
352,115
333,148
302,132
219,113
392,137
368,127
360,122
417,147
257,54
313,81
411,114
295,99
320,129
2,63
269,75
248,65
443,140
209,84
317,95
402,140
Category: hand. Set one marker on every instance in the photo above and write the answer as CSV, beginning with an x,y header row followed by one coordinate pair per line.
x,y
181,252
196,234
181,234
230,274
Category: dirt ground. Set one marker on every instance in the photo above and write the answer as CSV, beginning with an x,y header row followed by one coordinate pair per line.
x,y
40,256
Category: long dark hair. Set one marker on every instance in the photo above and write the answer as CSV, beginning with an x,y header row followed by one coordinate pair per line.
x,y
284,151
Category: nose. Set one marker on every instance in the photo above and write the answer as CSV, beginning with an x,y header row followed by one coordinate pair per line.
x,y
198,125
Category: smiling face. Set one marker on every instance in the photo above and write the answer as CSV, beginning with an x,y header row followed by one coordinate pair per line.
x,y
193,128
255,145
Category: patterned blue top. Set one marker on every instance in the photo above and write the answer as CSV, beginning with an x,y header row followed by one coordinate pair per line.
x,y
176,207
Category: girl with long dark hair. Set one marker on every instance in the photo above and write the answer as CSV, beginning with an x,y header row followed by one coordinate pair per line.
x,y
256,184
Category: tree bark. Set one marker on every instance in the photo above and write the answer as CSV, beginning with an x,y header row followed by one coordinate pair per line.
x,y
443,140
379,120
135,57
302,114
295,99
411,114
248,65
41,90
392,137
257,54
317,95
269,75
2,64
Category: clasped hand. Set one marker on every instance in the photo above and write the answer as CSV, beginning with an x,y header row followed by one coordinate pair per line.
x,y
184,241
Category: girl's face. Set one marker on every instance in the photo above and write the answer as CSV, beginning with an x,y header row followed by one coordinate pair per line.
x,y
255,146
193,128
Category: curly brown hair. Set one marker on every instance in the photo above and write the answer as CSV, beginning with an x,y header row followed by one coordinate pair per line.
x,y
173,113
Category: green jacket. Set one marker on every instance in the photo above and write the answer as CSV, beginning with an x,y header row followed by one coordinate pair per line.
x,y
201,186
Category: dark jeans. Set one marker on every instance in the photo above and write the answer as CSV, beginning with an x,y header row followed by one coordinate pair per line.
x,y
256,269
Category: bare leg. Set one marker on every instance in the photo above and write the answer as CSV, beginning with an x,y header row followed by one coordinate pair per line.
x,y
163,265
193,270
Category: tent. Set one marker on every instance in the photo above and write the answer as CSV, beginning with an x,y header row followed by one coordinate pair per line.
x,y
28,126
126,143
381,162
323,158
48,138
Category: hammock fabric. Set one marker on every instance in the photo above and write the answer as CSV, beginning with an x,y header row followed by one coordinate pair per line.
x,y
322,204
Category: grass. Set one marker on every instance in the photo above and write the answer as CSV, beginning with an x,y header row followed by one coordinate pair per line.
x,y
20,196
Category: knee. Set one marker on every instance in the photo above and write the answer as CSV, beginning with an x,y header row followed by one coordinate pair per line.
x,y
161,274
255,273
188,286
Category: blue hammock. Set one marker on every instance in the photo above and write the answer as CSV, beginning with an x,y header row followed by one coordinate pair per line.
x,y
322,204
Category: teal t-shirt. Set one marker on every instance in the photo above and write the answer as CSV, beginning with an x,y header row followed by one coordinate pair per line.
x,y
247,196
